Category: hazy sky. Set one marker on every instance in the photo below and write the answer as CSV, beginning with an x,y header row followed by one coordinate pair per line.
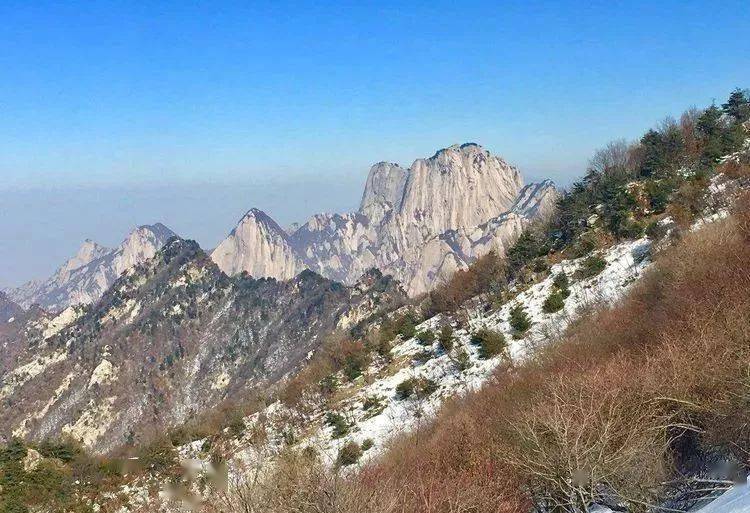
x,y
114,114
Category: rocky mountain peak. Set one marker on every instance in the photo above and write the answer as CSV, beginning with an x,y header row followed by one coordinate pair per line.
x,y
259,246
87,252
418,224
467,148
176,246
384,191
458,188
259,214
140,245
536,199
256,217
157,230
148,233
92,270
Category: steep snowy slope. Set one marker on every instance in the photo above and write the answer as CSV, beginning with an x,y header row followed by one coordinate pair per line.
x,y
413,360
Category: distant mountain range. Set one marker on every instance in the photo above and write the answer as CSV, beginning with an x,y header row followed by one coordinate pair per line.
x,y
419,225
121,340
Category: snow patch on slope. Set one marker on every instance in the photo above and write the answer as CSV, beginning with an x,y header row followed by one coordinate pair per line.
x,y
625,263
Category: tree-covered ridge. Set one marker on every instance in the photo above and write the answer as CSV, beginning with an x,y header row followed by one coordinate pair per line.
x,y
625,183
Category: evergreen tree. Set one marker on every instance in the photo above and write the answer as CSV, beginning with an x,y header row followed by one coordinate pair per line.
x,y
65,450
573,210
349,454
673,146
425,337
12,496
528,247
406,326
14,451
446,338
710,129
519,319
12,475
491,343
561,281
338,423
554,302
654,157
738,105
662,151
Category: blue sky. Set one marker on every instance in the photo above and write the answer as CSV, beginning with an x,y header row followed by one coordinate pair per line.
x,y
114,114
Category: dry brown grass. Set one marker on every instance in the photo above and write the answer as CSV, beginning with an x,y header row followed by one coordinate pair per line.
x,y
734,169
326,360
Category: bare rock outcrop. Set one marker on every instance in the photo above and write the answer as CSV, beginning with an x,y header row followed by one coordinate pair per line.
x,y
258,246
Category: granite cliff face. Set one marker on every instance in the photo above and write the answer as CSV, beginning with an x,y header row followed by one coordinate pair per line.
x,y
419,224
92,270
384,191
259,247
457,188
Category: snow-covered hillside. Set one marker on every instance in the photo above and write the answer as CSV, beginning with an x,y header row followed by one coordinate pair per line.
x,y
371,405
625,263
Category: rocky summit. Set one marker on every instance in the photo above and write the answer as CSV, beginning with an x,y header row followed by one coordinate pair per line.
x,y
84,277
419,224
259,247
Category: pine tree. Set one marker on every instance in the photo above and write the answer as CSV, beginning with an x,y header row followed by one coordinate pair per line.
x,y
554,302
491,343
710,129
519,320
446,338
654,157
561,281
528,247
14,451
738,105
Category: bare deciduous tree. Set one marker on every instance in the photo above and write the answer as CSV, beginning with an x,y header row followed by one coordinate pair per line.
x,y
617,157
